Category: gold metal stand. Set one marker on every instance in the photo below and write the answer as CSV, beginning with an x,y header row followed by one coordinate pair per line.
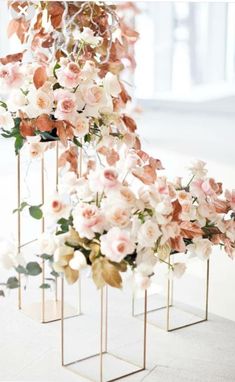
x,y
47,310
170,305
103,356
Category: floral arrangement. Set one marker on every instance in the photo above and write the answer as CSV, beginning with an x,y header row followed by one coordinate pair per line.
x,y
119,214
111,224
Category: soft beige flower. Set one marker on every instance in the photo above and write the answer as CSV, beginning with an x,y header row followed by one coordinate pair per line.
x,y
201,248
179,269
78,261
87,36
6,120
148,234
198,169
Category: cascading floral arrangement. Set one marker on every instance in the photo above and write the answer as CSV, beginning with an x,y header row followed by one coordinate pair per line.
x,y
119,213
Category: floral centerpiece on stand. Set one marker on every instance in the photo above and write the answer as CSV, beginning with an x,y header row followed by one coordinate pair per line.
x,y
113,210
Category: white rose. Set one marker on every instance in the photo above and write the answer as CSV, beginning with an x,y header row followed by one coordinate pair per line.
x,y
16,100
40,102
179,269
78,261
6,120
201,248
47,243
111,85
141,281
148,234
9,256
87,36
198,169
118,216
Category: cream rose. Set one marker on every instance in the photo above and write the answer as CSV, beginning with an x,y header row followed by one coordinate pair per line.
x,y
201,248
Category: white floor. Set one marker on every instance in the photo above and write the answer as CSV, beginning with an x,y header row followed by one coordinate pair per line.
x,y
30,351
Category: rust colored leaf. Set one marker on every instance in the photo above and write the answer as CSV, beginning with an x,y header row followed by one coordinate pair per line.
x,y
70,156
39,77
178,244
111,155
38,23
190,230
130,123
55,10
221,206
26,128
44,123
177,209
12,58
19,27
146,174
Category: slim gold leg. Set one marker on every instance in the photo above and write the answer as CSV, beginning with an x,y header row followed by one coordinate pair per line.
x,y
19,225
145,328
42,230
101,331
62,321
207,288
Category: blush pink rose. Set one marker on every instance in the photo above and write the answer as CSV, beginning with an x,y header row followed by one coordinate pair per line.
x,y
87,220
69,76
106,179
66,105
116,244
92,95
11,76
230,197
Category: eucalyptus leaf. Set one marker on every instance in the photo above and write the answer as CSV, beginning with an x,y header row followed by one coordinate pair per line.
x,y
35,212
21,269
45,286
33,269
12,283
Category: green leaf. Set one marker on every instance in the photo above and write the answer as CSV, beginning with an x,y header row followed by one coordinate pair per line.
x,y
44,256
21,269
87,138
19,142
77,142
33,269
22,206
3,104
56,67
55,274
2,294
12,283
45,286
35,212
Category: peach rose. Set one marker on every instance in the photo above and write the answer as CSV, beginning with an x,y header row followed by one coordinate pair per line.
x,y
69,76
116,244
92,95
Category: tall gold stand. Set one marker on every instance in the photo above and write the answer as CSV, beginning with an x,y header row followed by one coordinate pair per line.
x,y
170,305
104,359
47,310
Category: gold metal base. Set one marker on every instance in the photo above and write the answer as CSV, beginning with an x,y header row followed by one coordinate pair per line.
x,y
170,306
108,357
168,328
52,311
103,359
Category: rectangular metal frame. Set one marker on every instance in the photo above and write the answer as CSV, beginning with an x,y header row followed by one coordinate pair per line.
x,y
51,308
170,304
103,345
